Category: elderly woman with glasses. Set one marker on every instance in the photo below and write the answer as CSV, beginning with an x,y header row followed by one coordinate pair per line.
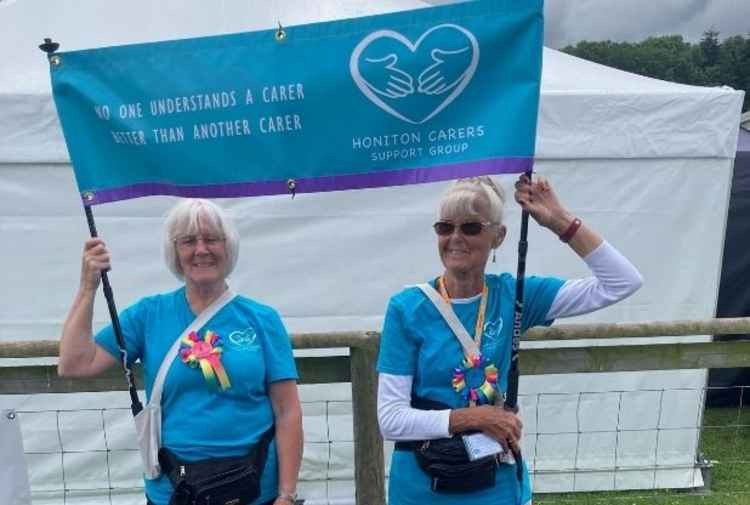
x,y
233,380
438,396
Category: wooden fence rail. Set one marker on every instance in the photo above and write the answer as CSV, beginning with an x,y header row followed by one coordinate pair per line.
x,y
359,369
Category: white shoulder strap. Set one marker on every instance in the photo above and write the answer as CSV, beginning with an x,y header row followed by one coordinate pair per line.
x,y
468,343
209,312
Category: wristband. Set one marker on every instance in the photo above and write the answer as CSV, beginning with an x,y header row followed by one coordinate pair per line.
x,y
570,231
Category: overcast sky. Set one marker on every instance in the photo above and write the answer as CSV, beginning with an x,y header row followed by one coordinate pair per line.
x,y
569,21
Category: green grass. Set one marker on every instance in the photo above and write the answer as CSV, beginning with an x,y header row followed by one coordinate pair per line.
x,y
723,442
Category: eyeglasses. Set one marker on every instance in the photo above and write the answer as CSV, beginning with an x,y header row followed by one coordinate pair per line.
x,y
469,228
191,241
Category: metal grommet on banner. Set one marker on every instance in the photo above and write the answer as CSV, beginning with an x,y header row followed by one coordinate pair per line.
x,y
55,60
292,185
88,196
280,34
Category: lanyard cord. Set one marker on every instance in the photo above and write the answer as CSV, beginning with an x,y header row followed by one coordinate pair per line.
x,y
479,327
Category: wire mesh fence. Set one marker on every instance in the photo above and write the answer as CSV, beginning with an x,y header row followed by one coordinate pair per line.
x,y
583,447
77,456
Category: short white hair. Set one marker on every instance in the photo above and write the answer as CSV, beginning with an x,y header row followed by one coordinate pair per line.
x,y
185,218
462,197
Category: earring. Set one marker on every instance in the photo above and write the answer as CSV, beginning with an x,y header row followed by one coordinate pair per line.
x,y
493,255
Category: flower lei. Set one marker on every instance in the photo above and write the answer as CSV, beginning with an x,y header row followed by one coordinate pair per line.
x,y
487,391
205,354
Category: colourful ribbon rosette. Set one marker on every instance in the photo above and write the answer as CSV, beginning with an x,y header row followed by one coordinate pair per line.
x,y
482,394
206,354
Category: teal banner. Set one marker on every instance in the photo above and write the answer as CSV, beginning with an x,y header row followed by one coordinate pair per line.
x,y
404,98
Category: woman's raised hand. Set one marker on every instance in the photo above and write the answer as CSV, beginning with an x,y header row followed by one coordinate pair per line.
x,y
95,260
539,199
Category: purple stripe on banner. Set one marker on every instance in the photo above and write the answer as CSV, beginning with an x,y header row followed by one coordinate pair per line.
x,y
319,184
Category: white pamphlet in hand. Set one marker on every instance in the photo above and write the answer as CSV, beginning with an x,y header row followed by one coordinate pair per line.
x,y
479,445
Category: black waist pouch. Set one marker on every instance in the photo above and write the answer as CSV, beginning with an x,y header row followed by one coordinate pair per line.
x,y
446,461
216,481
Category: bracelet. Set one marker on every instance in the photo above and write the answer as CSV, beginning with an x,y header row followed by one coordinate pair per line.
x,y
570,231
290,497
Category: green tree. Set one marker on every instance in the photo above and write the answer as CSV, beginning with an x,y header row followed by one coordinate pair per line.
x,y
667,58
710,48
708,63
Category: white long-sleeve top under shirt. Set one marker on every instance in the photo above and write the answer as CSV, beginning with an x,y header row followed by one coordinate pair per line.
x,y
614,279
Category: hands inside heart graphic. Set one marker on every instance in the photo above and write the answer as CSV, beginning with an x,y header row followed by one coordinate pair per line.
x,y
415,81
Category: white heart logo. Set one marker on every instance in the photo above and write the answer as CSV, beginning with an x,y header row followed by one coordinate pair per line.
x,y
243,339
492,329
452,55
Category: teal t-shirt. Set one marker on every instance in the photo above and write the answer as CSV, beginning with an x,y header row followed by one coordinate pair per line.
x,y
198,420
417,341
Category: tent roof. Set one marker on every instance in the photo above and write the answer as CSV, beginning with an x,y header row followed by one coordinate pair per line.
x,y
564,73
601,112
587,110
82,24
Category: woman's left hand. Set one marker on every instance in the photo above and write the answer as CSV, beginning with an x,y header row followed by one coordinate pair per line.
x,y
539,199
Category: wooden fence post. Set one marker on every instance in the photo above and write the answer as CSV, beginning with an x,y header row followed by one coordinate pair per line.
x,y
369,466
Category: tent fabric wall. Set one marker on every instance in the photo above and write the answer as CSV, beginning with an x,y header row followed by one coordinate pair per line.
x,y
14,481
645,162
734,295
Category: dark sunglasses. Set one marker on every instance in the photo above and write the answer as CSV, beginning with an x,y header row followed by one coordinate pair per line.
x,y
470,228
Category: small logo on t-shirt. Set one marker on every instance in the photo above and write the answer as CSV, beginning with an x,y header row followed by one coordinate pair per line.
x,y
243,339
492,329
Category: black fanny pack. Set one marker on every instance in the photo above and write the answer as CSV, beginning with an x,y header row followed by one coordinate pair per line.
x,y
446,461
216,481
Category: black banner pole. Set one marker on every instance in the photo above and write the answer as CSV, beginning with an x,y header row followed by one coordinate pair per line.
x,y
135,402
511,395
50,47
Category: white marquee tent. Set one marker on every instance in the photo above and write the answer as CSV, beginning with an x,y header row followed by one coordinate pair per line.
x,y
647,163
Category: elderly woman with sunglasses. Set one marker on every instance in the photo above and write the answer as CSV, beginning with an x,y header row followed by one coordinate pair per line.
x,y
234,378
431,392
